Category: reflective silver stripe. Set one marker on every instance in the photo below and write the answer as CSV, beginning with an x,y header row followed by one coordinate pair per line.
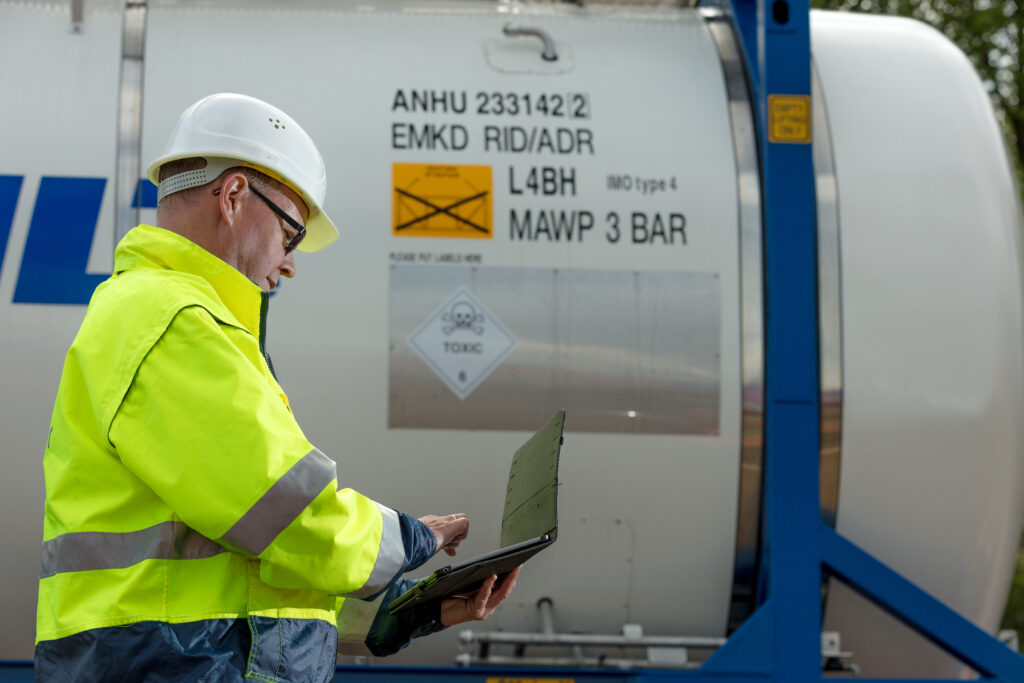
x,y
87,550
354,620
390,557
282,503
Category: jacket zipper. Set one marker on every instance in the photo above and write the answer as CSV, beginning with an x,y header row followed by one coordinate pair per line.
x,y
264,307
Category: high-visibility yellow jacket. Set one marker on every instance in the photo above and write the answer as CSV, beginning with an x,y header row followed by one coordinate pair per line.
x,y
179,487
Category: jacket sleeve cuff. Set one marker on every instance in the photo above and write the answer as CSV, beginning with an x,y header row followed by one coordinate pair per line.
x,y
369,629
389,633
417,546
420,542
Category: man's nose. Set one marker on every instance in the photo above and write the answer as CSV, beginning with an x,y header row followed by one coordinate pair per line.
x,y
288,265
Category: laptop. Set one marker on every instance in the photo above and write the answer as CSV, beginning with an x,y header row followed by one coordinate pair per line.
x,y
529,522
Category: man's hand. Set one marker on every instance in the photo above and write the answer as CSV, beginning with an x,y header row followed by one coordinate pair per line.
x,y
449,530
479,605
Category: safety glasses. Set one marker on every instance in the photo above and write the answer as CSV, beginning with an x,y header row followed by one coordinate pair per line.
x,y
301,229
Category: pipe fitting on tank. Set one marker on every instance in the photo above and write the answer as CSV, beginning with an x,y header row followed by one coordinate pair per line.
x,y
547,620
549,54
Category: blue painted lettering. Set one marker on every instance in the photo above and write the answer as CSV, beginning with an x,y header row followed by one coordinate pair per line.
x,y
145,195
59,238
10,188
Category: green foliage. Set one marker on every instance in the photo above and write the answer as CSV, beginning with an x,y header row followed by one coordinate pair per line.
x,y
989,33
1013,616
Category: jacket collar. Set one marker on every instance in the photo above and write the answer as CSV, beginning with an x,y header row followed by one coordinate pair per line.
x,y
147,247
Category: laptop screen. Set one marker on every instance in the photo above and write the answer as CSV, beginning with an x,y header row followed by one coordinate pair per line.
x,y
531,498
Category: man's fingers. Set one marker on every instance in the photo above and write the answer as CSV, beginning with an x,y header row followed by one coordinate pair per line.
x,y
481,604
483,597
456,529
508,583
449,530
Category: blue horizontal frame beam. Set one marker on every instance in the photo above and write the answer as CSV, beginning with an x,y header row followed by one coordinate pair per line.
x,y
17,671
374,674
919,610
21,671
429,674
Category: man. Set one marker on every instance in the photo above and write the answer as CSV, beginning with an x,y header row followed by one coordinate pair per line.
x,y
191,531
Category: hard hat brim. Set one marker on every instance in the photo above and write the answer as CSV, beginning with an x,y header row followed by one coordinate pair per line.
x,y
320,232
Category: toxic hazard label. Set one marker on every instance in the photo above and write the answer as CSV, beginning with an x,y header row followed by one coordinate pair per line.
x,y
462,342
430,200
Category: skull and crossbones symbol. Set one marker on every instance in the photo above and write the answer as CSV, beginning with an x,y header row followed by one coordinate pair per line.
x,y
462,316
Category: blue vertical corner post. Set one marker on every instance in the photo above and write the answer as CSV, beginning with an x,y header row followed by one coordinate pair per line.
x,y
782,639
792,421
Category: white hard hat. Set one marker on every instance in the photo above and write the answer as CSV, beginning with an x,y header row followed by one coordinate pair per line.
x,y
237,130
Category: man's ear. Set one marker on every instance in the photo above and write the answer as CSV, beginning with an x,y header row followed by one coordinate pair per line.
x,y
230,195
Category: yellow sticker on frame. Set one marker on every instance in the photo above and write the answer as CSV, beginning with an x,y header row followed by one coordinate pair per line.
x,y
437,200
789,119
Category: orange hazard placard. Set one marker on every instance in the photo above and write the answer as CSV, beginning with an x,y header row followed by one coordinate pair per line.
x,y
433,200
